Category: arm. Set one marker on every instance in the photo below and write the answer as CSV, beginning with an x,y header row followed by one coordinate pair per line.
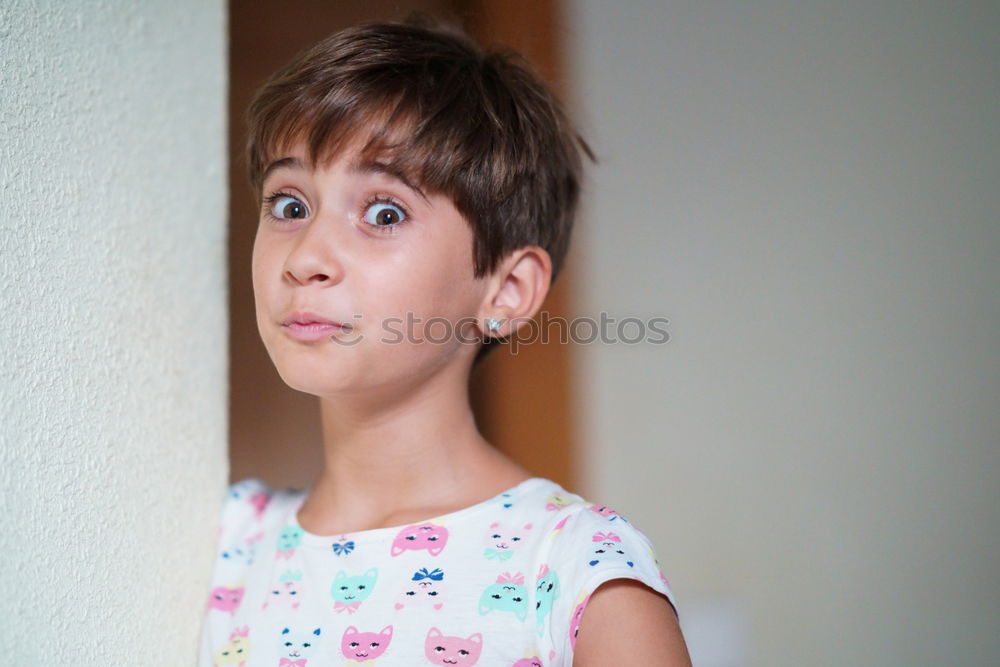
x,y
626,619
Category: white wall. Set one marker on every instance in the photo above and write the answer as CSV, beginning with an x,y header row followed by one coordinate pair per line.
x,y
114,329
809,191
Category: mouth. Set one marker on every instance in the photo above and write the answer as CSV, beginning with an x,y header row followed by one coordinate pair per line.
x,y
306,318
312,331
309,326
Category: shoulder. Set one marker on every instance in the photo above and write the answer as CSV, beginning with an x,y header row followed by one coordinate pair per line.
x,y
245,510
610,575
628,608
604,543
249,496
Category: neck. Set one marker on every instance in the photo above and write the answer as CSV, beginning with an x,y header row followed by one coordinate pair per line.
x,y
400,458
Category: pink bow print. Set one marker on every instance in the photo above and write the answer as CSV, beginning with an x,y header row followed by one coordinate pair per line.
x,y
242,631
508,578
606,537
349,608
285,662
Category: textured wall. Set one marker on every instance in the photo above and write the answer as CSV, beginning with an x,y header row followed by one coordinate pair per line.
x,y
808,190
113,335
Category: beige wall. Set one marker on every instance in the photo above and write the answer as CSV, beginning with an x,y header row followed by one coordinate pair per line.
x,y
808,190
113,335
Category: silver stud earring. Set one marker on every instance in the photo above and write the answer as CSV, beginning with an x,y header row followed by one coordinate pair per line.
x,y
493,324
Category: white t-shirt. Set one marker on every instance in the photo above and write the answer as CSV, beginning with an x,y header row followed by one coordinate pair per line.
x,y
501,583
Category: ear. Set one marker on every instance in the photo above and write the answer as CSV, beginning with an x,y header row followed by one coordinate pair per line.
x,y
476,638
351,630
433,632
516,290
373,573
340,575
387,631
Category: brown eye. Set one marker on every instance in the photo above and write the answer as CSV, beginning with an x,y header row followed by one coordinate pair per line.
x,y
384,214
286,207
294,210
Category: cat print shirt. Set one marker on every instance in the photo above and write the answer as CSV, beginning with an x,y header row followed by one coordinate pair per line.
x,y
501,583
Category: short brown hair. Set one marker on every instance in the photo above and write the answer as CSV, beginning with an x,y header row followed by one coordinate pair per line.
x,y
478,126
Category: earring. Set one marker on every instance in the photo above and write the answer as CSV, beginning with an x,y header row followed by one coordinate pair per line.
x,y
493,324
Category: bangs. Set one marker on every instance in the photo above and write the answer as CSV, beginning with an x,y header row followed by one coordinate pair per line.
x,y
437,141
375,129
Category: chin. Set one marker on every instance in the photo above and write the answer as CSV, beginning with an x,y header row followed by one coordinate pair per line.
x,y
307,377
308,368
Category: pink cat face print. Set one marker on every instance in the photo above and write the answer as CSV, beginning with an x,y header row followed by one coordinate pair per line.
x,y
574,624
365,646
533,661
452,651
427,536
225,598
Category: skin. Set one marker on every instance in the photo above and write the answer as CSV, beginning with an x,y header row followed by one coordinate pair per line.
x,y
641,622
400,442
389,410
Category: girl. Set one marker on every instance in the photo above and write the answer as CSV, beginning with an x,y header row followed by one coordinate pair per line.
x,y
417,197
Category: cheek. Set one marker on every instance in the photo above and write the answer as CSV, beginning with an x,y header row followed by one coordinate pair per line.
x,y
265,272
423,301
258,267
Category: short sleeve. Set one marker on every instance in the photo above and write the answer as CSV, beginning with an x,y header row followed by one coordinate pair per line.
x,y
239,534
239,526
596,545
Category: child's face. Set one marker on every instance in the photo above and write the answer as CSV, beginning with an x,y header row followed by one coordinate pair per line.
x,y
325,252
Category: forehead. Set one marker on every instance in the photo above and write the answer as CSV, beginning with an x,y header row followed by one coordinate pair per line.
x,y
357,164
363,157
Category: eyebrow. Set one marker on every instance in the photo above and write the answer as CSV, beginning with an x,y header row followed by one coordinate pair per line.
x,y
362,166
359,166
285,162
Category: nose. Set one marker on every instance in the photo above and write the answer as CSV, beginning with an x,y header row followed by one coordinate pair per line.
x,y
315,257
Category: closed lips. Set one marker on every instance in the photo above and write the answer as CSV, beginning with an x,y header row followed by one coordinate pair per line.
x,y
305,318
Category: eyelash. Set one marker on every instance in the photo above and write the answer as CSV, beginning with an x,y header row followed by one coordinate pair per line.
x,y
392,201
267,204
269,200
